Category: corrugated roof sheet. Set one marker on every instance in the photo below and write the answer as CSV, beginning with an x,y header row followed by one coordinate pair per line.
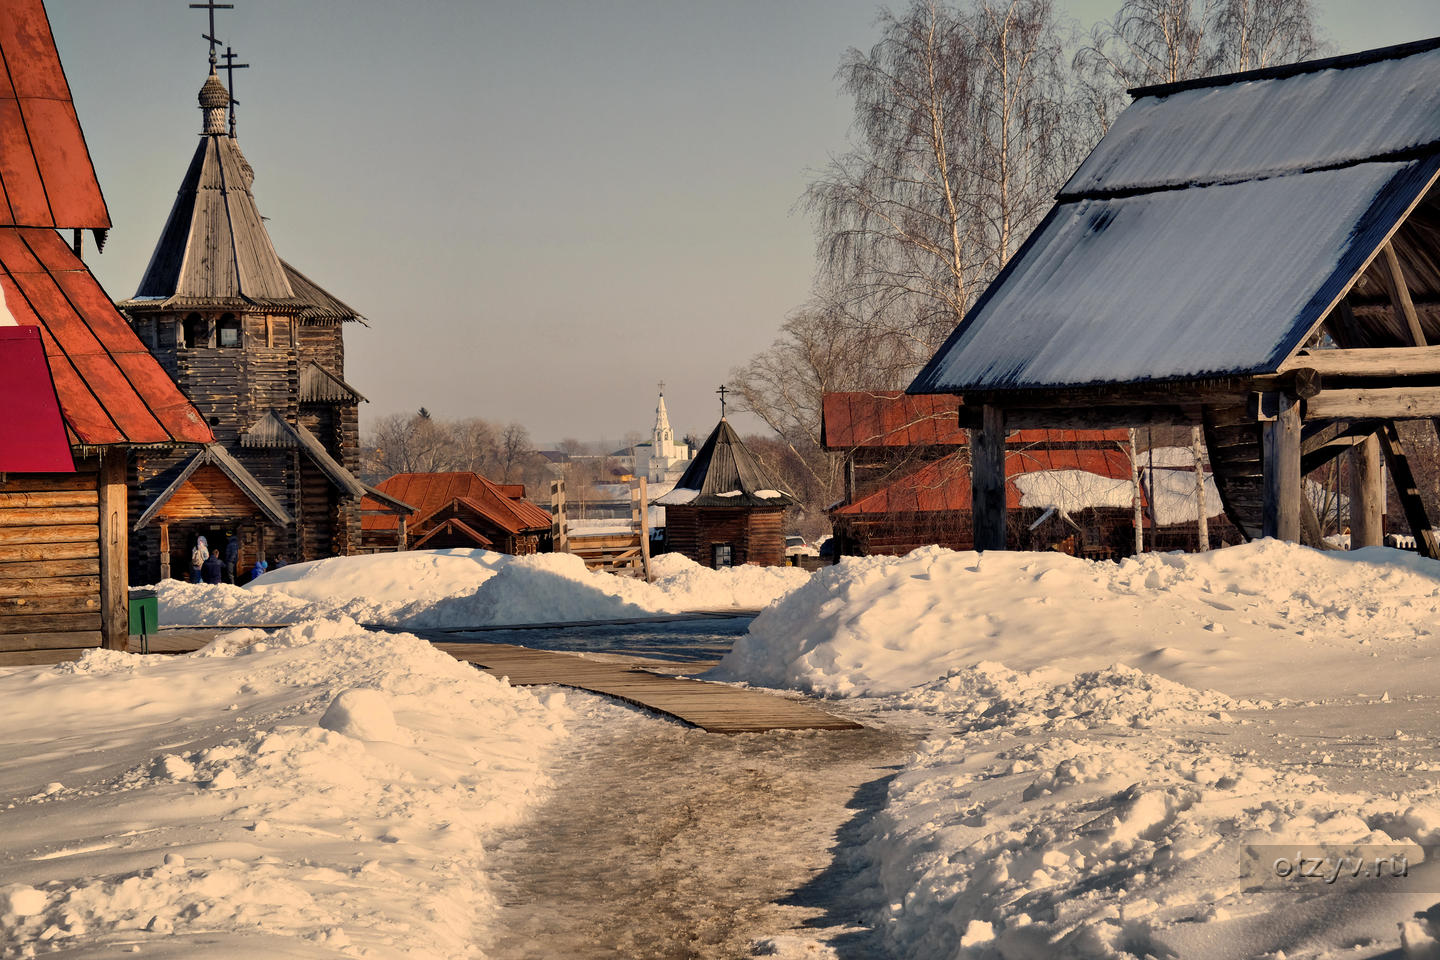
x,y
1210,231
725,473
46,177
32,433
111,390
432,492
944,485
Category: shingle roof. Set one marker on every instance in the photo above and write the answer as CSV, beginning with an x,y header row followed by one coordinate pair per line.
x,y
111,390
318,385
46,177
725,473
432,492
273,431
1210,231
318,303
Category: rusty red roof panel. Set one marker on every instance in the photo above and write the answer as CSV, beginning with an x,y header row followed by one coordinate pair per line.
x,y
429,493
890,418
944,485
32,432
111,390
46,177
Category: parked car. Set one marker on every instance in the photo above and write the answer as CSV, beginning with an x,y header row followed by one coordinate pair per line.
x,y
795,546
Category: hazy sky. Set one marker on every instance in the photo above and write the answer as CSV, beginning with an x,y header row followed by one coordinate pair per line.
x,y
542,207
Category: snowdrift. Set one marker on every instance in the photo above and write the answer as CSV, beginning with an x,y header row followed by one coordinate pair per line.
x,y
459,588
1266,619
318,791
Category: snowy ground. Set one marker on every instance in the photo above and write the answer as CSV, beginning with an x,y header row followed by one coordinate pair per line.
x,y
432,589
1112,759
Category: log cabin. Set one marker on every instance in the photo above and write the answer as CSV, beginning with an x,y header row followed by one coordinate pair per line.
x,y
431,511
1256,254
725,510
81,396
259,347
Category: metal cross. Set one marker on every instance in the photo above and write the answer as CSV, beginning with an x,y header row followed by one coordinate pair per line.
x,y
230,67
722,391
662,388
212,6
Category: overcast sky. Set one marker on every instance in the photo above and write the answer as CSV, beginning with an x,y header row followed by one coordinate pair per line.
x,y
542,207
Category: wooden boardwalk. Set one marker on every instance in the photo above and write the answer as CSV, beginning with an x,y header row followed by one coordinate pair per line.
x,y
713,707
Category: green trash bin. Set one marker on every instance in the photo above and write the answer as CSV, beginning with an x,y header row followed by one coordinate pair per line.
x,y
144,615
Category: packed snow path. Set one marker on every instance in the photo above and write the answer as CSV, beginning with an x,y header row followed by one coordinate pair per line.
x,y
664,841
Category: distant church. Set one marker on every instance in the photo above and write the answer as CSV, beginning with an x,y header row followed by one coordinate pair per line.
x,y
259,348
662,460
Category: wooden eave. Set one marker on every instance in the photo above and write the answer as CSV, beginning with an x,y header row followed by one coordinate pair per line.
x,y
243,479
273,432
453,524
318,385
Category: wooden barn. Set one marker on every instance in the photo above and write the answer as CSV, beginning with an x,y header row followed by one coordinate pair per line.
x,y
1257,254
259,347
80,394
726,510
430,511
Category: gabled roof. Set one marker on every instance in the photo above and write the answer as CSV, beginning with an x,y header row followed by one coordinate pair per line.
x,y
111,390
272,431
432,492
725,474
243,479
318,385
889,418
944,485
1211,230
46,177
453,526
32,434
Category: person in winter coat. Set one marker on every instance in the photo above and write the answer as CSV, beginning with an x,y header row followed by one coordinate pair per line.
x,y
232,556
258,569
213,569
198,556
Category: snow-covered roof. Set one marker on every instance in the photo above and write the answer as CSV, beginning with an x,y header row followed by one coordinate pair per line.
x,y
1211,230
725,474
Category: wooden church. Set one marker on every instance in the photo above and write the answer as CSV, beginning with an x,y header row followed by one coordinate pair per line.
x,y
259,347
726,510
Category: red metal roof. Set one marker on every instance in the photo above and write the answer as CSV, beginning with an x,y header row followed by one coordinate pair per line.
x,y
431,492
111,390
32,435
893,418
945,483
46,177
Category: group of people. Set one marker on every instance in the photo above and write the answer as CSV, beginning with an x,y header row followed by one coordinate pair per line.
x,y
218,566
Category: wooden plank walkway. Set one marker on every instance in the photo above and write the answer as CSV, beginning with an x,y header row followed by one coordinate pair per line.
x,y
713,707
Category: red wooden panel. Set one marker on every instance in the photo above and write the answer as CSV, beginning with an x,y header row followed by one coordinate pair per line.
x,y
64,163
32,433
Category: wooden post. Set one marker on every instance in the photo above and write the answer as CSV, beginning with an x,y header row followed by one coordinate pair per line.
x,y
559,540
1367,495
645,530
987,479
1400,300
1282,472
1416,512
1202,519
1136,501
164,549
402,538
114,552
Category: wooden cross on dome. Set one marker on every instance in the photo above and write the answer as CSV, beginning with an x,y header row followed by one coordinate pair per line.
x,y
211,6
230,67
722,391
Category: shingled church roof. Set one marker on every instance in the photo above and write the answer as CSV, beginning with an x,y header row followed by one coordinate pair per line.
x,y
726,474
1215,227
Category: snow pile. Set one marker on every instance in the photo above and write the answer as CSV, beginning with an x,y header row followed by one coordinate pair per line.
x,y
1264,619
458,588
1071,491
319,791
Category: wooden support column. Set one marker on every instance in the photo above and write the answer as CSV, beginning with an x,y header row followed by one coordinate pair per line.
x,y
1417,514
1282,472
1367,495
164,549
114,552
402,541
987,479
644,519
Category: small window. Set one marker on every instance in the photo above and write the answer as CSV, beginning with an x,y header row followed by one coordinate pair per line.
x,y
197,331
229,330
721,555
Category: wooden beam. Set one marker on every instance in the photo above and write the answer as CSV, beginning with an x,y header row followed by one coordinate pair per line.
x,y
1400,295
1382,403
114,552
1367,495
987,479
1417,514
1282,472
1372,362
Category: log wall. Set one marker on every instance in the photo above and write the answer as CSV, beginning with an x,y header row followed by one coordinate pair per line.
x,y
755,535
